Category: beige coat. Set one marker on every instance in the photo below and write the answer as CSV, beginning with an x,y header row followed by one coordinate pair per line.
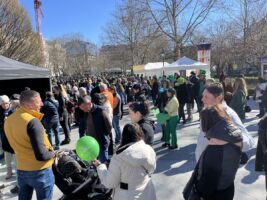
x,y
172,107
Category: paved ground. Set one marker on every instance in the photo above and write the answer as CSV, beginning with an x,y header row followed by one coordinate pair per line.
x,y
175,167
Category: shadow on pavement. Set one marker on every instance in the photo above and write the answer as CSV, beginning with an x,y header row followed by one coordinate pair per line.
x,y
250,166
180,126
252,127
249,119
177,161
252,176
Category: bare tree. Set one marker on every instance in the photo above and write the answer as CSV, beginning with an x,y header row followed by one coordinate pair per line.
x,y
17,38
224,39
178,19
72,54
134,30
247,16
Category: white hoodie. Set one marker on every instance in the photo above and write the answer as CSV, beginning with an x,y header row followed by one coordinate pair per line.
x,y
132,166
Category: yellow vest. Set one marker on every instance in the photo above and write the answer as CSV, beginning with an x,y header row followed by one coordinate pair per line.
x,y
16,132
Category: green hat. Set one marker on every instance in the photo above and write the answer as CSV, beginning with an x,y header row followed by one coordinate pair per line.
x,y
202,72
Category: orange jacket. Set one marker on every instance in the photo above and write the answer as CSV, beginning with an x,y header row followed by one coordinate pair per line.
x,y
110,97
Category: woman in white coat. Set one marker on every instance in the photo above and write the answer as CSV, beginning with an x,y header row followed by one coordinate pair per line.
x,y
130,168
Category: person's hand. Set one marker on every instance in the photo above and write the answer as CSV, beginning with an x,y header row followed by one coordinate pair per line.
x,y
96,163
60,153
61,119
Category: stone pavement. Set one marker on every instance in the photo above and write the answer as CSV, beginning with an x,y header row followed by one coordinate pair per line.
x,y
174,167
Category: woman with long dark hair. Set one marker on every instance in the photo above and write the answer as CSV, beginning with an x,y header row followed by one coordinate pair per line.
x,y
239,99
130,168
214,174
228,90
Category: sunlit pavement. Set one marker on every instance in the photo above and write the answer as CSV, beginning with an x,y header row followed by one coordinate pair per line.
x,y
174,167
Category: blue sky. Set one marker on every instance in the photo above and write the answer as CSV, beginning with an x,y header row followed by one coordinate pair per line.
x,y
62,17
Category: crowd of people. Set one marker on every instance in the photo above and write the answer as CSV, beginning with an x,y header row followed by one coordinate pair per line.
x,y
96,105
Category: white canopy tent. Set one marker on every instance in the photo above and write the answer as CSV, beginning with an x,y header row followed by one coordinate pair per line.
x,y
185,63
150,69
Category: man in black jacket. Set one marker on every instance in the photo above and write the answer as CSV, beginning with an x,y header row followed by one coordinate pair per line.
x,y
195,81
98,126
155,89
181,93
51,118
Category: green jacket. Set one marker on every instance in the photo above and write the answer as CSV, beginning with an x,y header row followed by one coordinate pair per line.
x,y
238,103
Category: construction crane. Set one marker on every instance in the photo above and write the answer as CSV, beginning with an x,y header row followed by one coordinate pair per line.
x,y
38,14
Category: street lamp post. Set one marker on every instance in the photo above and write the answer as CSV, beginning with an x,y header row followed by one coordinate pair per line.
x,y
163,57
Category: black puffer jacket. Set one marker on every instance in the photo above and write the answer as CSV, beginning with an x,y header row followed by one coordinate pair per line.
x,y
50,111
181,92
225,131
148,128
219,163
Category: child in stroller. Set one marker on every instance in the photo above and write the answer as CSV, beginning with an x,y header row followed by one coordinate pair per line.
x,y
77,179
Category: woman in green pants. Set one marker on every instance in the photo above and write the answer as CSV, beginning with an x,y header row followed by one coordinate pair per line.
x,y
172,109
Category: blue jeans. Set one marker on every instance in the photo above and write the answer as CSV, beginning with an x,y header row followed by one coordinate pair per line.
x,y
123,98
42,181
53,127
103,154
116,126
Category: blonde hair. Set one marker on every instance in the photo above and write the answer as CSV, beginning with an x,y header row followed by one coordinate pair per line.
x,y
62,91
240,84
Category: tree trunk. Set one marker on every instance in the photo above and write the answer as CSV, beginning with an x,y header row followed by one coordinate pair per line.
x,y
177,53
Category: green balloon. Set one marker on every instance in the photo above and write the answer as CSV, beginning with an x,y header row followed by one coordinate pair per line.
x,y
87,148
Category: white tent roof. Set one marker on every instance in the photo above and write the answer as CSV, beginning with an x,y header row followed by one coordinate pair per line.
x,y
185,63
116,69
12,69
157,65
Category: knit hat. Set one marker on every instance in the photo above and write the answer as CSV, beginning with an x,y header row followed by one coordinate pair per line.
x,y
4,99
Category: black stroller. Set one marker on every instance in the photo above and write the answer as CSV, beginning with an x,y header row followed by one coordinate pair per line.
x,y
78,180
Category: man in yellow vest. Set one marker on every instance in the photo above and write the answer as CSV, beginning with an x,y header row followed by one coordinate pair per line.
x,y
34,153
